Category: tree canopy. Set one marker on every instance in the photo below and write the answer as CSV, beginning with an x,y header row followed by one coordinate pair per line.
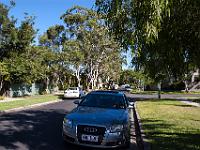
x,y
94,46
163,35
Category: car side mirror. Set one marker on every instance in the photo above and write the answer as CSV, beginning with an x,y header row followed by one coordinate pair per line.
x,y
131,103
77,102
83,96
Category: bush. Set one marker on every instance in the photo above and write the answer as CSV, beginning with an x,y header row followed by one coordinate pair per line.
x,y
1,97
44,92
177,86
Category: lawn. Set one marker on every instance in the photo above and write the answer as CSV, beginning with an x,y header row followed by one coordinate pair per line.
x,y
170,124
27,101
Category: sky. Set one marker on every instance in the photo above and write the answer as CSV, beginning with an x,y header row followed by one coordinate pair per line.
x,y
48,12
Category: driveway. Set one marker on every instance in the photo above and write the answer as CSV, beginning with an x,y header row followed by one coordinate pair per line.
x,y
37,129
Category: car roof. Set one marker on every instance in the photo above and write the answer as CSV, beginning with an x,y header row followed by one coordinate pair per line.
x,y
107,92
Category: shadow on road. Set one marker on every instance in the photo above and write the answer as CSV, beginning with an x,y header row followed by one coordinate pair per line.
x,y
34,129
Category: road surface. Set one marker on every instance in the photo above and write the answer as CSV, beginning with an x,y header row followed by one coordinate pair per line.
x,y
37,129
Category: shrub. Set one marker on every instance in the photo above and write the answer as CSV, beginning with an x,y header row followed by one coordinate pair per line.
x,y
1,97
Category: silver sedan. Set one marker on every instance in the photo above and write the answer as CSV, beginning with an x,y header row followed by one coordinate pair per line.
x,y
101,119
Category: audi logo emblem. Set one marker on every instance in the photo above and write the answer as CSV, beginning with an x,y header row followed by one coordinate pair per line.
x,y
90,129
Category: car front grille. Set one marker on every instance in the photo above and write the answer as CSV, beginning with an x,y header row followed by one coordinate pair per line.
x,y
90,130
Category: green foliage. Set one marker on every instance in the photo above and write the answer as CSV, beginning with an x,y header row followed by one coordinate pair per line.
x,y
134,20
82,47
4,74
163,34
12,38
26,33
58,68
29,66
53,37
1,97
91,46
136,79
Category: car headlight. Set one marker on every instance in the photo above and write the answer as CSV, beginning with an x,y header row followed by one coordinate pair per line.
x,y
116,128
67,122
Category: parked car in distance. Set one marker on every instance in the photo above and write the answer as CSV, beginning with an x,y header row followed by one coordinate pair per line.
x,y
126,87
101,120
73,92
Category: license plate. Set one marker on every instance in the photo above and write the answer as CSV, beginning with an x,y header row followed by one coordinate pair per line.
x,y
89,138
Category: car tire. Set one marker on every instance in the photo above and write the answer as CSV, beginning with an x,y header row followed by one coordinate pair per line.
x,y
127,142
126,145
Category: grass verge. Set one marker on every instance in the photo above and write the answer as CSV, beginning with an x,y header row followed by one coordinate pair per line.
x,y
170,124
27,101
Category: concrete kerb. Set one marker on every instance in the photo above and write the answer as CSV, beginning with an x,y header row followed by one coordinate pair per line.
x,y
188,102
29,107
142,142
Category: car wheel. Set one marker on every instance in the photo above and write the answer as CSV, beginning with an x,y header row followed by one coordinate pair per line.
x,y
127,142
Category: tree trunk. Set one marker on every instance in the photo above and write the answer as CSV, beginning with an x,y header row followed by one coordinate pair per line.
x,y
159,90
1,85
92,83
47,85
78,68
62,83
186,86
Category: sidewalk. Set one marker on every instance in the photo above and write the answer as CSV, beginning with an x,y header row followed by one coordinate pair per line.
x,y
191,103
10,99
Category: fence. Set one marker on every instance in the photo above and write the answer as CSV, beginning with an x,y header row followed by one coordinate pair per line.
x,y
17,90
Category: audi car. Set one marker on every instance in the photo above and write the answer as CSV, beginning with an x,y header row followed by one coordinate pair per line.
x,y
101,119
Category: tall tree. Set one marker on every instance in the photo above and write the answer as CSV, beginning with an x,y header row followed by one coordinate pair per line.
x,y
8,31
164,35
75,57
54,39
96,45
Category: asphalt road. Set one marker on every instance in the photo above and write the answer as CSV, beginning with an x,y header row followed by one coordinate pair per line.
x,y
37,129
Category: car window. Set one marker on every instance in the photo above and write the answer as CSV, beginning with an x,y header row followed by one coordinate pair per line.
x,y
104,101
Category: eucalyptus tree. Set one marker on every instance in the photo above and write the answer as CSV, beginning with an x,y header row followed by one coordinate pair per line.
x,y
94,43
54,39
111,69
16,39
8,31
75,57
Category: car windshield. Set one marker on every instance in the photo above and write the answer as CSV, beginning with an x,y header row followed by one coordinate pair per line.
x,y
72,88
103,101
